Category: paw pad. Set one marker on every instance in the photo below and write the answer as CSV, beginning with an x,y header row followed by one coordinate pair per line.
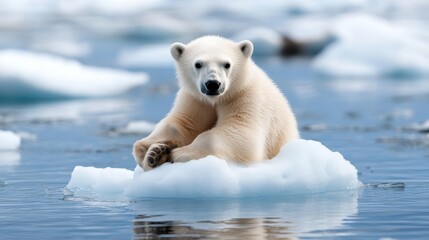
x,y
159,153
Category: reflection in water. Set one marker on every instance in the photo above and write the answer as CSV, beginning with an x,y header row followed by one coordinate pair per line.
x,y
240,228
288,218
9,158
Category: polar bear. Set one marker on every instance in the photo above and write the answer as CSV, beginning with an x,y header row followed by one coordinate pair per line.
x,y
226,106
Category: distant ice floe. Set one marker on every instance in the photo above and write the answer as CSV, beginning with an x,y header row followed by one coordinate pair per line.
x,y
68,48
135,127
369,46
25,74
302,167
105,7
9,140
27,136
148,56
9,144
419,127
132,128
266,41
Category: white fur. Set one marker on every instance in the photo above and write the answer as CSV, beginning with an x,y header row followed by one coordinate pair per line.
x,y
248,122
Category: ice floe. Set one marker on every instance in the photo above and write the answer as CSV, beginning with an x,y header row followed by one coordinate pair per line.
x,y
368,46
266,41
27,136
302,167
9,144
9,140
152,55
68,48
25,74
134,127
419,127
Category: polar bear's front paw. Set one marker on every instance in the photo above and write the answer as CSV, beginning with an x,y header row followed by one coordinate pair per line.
x,y
139,151
158,154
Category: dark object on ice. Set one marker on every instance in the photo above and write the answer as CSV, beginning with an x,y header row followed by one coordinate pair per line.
x,y
293,47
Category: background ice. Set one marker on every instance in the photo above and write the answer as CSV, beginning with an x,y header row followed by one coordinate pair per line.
x,y
9,140
371,46
25,74
134,127
302,167
265,41
154,55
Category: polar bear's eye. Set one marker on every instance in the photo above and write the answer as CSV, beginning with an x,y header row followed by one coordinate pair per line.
x,y
227,65
198,65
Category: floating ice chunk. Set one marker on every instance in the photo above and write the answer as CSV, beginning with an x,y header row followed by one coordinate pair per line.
x,y
25,74
27,136
9,140
68,48
137,127
419,127
107,7
266,41
301,167
103,180
306,27
368,46
152,55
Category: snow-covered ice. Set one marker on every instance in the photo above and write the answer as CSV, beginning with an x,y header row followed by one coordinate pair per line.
x,y
25,74
68,48
9,140
368,46
148,56
301,167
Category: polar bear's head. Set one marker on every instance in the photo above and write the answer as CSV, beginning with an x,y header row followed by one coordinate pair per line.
x,y
211,66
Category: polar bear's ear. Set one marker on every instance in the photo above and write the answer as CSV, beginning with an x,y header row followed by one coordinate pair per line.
x,y
246,48
177,50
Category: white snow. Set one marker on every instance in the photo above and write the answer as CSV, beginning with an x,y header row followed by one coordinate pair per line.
x,y
9,140
302,167
369,46
29,74
148,56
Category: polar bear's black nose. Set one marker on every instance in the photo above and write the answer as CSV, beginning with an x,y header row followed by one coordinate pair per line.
x,y
212,85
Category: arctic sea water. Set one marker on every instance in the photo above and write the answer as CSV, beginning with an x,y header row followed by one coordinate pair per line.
x,y
369,105
369,131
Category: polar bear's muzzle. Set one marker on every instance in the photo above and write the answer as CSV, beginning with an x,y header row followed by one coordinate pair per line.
x,y
212,88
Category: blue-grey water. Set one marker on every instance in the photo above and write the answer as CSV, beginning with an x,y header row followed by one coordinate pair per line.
x,y
366,120
370,121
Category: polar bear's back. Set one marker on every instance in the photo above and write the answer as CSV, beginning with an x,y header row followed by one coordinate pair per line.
x,y
276,115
